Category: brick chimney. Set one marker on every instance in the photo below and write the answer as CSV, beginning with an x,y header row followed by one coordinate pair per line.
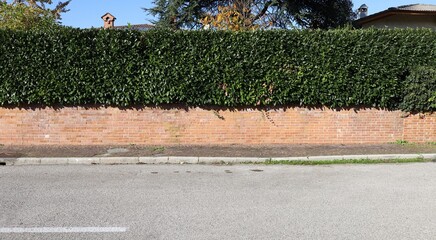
x,y
109,20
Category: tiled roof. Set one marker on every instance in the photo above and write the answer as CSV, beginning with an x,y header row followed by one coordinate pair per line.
x,y
416,7
135,26
412,9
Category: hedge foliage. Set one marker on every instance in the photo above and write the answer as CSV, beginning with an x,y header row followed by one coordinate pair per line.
x,y
420,91
340,68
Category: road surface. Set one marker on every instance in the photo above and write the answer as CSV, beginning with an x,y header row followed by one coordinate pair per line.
x,y
218,202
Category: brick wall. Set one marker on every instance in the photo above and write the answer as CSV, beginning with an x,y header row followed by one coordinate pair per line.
x,y
172,125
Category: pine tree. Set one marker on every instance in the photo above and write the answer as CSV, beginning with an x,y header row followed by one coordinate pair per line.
x,y
323,14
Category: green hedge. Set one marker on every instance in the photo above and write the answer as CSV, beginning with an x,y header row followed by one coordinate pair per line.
x,y
420,90
341,68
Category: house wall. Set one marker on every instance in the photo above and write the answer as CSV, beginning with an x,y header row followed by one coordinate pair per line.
x,y
94,125
403,21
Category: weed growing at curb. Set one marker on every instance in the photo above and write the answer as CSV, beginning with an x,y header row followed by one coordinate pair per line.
x,y
401,142
342,161
158,149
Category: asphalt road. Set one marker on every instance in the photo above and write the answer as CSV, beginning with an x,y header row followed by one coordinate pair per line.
x,y
218,202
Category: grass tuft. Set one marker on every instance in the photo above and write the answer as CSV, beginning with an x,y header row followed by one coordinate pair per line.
x,y
401,142
344,161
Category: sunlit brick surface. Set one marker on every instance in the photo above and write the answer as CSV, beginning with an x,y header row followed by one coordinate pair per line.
x,y
172,125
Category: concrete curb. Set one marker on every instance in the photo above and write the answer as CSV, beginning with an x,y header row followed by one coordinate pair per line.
x,y
197,160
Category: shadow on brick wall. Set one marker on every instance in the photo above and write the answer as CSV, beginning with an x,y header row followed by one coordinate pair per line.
x,y
187,108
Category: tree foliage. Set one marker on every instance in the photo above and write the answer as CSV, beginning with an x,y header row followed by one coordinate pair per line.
x,y
23,17
230,18
41,5
322,14
30,14
176,14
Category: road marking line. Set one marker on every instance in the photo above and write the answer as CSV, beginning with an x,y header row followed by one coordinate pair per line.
x,y
65,230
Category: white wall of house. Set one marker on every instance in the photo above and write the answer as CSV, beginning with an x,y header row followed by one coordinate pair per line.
x,y
403,21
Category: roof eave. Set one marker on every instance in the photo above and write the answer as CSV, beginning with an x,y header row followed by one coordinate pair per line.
x,y
391,12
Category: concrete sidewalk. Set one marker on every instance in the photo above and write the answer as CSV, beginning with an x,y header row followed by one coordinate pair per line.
x,y
199,160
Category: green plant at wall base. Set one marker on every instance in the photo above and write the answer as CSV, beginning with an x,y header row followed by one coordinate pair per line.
x,y
401,142
338,69
345,161
158,149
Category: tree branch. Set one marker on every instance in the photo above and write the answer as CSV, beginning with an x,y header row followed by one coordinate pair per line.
x,y
263,11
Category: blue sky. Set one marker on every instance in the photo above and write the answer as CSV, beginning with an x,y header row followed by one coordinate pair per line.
x,y
87,13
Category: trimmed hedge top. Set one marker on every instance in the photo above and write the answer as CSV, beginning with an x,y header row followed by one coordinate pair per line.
x,y
340,68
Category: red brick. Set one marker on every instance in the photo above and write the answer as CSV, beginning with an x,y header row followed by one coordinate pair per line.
x,y
154,126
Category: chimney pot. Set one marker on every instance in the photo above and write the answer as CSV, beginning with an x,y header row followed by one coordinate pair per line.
x,y
362,11
109,20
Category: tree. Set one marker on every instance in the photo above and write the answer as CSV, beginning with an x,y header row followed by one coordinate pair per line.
x,y
248,15
230,18
176,14
23,15
322,14
61,7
